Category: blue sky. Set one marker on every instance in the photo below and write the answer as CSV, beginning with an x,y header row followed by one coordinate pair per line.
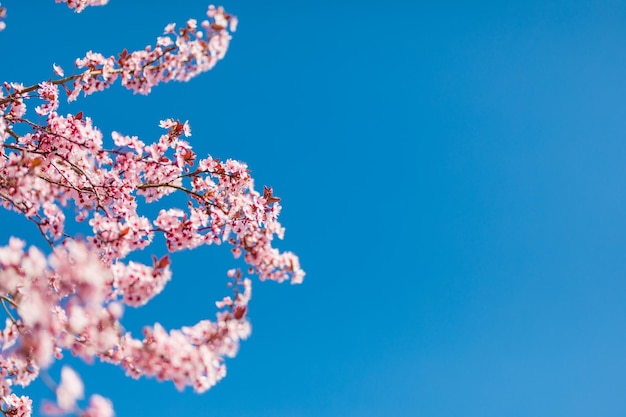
x,y
452,177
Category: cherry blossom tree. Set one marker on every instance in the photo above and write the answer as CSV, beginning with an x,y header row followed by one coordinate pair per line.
x,y
68,297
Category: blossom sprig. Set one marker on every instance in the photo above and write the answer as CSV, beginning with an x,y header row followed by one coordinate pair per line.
x,y
64,162
178,55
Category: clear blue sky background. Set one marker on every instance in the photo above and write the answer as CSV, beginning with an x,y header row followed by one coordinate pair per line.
x,y
452,178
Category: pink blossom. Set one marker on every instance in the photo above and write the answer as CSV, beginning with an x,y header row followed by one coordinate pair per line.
x,y
58,70
170,28
3,15
98,407
49,93
69,390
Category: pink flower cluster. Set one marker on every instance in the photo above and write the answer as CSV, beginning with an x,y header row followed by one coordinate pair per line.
x,y
192,356
62,177
17,406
